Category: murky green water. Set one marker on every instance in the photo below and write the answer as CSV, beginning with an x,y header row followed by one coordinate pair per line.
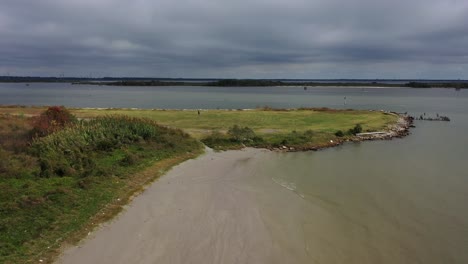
x,y
386,202
399,201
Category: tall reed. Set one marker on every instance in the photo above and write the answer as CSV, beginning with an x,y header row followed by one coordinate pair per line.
x,y
71,151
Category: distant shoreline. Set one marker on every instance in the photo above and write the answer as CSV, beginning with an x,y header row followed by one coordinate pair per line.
x,y
367,83
270,83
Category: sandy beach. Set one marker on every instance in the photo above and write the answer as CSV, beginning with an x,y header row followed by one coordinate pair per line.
x,y
213,209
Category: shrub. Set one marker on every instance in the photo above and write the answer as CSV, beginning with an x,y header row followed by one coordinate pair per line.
x,y
355,130
339,133
219,141
241,134
71,151
16,165
310,133
236,138
52,120
129,159
14,133
296,138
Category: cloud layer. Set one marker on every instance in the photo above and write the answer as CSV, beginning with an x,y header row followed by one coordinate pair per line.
x,y
243,38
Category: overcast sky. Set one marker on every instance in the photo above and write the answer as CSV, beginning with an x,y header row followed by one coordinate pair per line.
x,y
236,38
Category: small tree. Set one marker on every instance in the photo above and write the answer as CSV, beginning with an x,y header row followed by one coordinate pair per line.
x,y
355,130
51,120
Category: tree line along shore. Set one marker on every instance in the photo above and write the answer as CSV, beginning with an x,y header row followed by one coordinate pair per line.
x,y
236,82
270,83
64,171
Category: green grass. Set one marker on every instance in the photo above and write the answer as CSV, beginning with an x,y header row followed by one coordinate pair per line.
x,y
58,186
263,122
301,128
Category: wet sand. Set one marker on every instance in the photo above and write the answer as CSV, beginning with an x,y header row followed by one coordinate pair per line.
x,y
214,209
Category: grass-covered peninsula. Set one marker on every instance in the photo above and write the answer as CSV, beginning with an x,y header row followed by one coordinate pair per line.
x,y
62,174
267,128
264,127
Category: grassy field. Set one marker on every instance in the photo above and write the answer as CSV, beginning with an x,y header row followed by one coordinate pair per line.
x,y
263,122
300,128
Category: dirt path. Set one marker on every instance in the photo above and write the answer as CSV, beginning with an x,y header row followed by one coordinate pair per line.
x,y
214,209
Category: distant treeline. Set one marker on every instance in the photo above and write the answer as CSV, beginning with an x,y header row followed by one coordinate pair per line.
x,y
249,82
240,82
257,83
142,83
265,83
27,79
233,82
83,80
457,85
236,82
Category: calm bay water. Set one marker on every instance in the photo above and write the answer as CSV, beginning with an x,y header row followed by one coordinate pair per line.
x,y
399,201
395,99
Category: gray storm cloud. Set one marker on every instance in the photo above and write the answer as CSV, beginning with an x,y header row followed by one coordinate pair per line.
x,y
243,38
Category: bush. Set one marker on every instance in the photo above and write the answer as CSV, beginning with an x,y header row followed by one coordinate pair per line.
x,y
53,119
310,133
219,141
241,134
129,159
236,138
339,133
355,130
296,138
16,165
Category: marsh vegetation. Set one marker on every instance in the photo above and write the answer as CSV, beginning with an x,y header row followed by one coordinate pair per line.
x,y
57,173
